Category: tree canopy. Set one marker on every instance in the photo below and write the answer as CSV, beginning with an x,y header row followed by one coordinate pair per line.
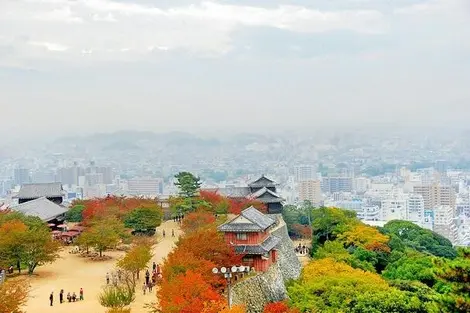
x,y
144,218
188,184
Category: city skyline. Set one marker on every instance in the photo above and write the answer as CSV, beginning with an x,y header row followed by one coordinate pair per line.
x,y
100,66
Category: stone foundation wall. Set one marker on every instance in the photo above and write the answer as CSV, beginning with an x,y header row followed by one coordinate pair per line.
x,y
257,291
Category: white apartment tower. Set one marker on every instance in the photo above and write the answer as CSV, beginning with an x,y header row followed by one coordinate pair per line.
x,y
311,190
415,209
444,222
304,173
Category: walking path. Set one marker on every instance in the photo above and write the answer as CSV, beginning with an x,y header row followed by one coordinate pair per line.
x,y
72,272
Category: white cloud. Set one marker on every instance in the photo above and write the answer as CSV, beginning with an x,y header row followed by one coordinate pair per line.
x,y
205,28
51,46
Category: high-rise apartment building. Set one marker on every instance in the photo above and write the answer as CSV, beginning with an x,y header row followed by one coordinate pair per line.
x,y
336,184
304,173
311,190
436,195
21,176
393,209
145,186
444,222
415,208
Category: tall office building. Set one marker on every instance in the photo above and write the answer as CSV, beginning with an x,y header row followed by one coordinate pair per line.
x,y
311,190
441,166
436,195
336,184
304,173
107,173
22,176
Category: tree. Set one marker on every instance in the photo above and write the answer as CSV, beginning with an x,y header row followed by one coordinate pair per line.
x,y
13,295
187,293
75,213
328,223
328,286
144,218
279,307
39,248
188,184
103,234
407,234
136,259
20,244
413,266
366,237
117,297
195,220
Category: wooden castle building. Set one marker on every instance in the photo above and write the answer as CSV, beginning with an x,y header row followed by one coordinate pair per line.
x,y
249,233
263,189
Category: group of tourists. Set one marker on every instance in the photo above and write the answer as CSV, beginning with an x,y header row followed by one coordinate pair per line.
x,y
115,277
172,233
152,279
70,297
302,249
178,218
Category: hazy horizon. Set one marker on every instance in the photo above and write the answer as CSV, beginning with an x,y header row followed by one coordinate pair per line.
x,y
87,66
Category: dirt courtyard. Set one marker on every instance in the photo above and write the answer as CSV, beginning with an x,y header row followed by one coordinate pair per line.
x,y
72,272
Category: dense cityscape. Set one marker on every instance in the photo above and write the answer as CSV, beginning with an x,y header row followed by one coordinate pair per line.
x,y
382,175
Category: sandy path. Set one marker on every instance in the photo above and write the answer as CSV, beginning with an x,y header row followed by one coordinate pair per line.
x,y
72,272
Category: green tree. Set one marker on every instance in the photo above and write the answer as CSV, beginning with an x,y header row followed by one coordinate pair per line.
x,y
104,234
117,297
136,259
75,213
188,184
404,233
31,246
413,266
144,218
328,223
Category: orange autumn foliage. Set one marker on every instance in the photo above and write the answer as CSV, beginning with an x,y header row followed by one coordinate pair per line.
x,y
209,244
221,307
112,206
187,293
279,307
179,262
220,203
196,220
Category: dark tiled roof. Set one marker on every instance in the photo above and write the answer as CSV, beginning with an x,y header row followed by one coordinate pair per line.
x,y
257,217
240,227
259,222
231,192
33,191
262,182
267,245
43,208
266,196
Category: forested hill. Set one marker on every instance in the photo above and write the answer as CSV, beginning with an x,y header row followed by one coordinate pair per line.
x,y
358,268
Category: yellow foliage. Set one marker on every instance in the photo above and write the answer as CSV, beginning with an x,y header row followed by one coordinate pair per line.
x,y
367,237
328,267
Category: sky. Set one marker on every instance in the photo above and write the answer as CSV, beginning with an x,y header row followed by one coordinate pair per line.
x,y
84,66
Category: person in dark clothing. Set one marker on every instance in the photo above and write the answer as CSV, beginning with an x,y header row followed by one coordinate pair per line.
x,y
154,266
163,232
61,296
51,298
147,277
172,233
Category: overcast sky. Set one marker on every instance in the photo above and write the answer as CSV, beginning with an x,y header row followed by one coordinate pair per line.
x,y
71,66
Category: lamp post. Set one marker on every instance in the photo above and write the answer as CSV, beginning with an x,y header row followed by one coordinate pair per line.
x,y
227,273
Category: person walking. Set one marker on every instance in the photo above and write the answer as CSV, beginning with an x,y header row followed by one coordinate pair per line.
x,y
144,288
81,294
51,298
107,278
163,232
61,296
154,266
147,277
69,297
172,233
